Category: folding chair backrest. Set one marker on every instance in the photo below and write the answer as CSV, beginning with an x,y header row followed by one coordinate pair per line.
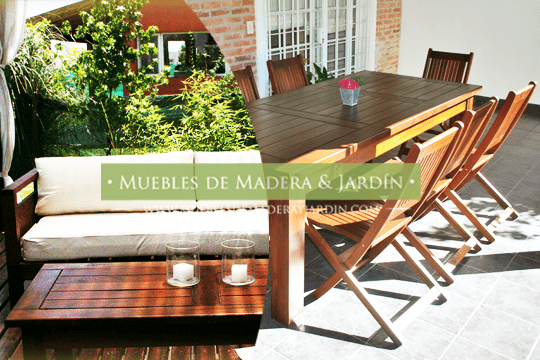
x,y
433,157
287,74
448,66
508,116
475,123
246,83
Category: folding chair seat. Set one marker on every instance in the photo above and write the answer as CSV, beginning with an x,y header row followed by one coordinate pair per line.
x,y
246,83
445,66
374,225
287,74
504,123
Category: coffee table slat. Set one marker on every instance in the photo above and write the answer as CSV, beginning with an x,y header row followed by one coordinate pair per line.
x,y
116,303
38,290
80,295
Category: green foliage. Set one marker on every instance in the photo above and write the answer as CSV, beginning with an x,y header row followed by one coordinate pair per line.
x,y
112,27
217,117
146,130
41,90
320,74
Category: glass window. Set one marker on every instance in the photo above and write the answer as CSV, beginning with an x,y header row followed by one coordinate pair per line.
x,y
147,59
185,52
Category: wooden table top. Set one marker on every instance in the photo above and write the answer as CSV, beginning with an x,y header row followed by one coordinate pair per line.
x,y
311,124
69,293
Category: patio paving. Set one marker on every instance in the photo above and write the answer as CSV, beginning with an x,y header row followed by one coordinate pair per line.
x,y
492,310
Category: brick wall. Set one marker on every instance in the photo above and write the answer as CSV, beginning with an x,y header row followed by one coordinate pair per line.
x,y
388,33
226,21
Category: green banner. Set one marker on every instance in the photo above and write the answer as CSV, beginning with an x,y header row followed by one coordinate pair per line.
x,y
260,181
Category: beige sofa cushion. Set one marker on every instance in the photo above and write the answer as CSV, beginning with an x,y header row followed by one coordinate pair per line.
x,y
225,157
68,185
79,236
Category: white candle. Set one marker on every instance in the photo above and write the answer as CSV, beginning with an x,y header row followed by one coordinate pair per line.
x,y
183,272
239,273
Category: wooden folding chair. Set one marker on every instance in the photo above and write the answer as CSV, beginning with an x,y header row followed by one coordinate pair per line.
x,y
475,123
287,74
246,83
445,66
448,66
506,120
375,225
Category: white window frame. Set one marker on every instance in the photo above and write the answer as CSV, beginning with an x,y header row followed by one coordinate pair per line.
x,y
261,17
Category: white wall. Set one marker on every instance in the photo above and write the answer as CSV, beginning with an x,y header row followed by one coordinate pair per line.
x,y
504,36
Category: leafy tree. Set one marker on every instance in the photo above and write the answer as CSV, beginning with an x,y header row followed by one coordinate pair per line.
x,y
112,27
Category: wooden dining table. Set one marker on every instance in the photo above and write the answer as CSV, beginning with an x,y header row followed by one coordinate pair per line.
x,y
311,125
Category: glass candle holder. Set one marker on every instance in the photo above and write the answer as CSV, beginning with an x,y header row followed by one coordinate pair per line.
x,y
183,263
238,262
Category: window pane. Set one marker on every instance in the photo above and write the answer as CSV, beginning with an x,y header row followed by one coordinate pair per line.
x,y
186,52
147,59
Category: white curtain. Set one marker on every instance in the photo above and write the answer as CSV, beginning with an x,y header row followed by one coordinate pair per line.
x,y
12,20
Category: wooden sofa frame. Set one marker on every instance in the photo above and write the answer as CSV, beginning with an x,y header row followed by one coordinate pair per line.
x,y
18,218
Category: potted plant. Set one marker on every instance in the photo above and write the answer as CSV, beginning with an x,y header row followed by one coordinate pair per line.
x,y
350,90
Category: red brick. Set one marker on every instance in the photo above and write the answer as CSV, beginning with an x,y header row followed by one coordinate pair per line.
x,y
220,12
219,30
232,3
233,36
234,19
241,43
202,14
243,10
211,5
194,6
249,18
212,21
233,52
242,58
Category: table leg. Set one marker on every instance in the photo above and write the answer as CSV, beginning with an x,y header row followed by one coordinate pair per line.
x,y
287,229
33,345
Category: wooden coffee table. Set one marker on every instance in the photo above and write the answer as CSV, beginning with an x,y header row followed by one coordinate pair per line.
x,y
130,305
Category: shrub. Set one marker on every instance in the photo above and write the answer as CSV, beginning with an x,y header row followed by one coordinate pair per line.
x,y
217,118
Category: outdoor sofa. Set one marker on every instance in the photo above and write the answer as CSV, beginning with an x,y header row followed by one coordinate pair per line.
x,y
64,218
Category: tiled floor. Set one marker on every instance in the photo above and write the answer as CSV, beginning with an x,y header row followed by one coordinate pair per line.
x,y
492,310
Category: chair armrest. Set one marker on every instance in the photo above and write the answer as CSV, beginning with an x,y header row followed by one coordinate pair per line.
x,y
18,216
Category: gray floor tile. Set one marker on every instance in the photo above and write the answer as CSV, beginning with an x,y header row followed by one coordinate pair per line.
x,y
307,346
465,350
527,189
348,314
472,283
372,353
536,352
450,315
272,355
423,341
524,271
516,300
501,332
492,263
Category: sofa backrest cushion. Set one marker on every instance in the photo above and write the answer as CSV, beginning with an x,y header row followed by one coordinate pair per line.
x,y
68,185
232,157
